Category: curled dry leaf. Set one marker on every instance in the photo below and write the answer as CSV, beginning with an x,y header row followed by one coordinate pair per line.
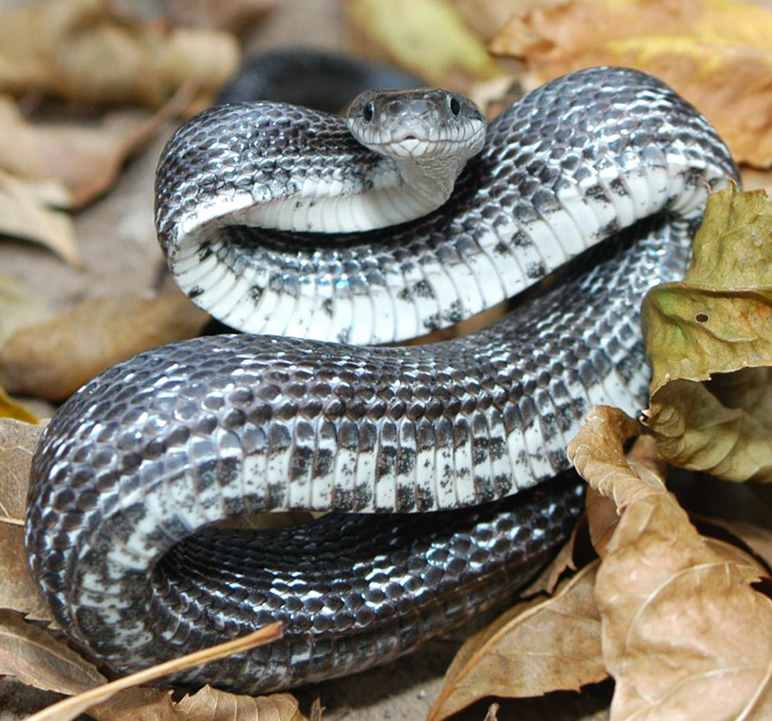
x,y
538,646
208,704
714,53
709,342
54,358
30,654
27,212
685,635
428,37
70,708
79,50
18,591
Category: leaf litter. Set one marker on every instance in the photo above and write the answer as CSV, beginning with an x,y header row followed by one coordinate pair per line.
x,y
693,598
685,633
714,53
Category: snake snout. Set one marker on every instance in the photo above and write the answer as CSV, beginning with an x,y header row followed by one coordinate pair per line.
x,y
416,124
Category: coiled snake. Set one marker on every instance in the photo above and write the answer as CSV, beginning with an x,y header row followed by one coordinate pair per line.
x,y
142,459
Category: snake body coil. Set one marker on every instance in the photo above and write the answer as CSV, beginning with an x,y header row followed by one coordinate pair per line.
x,y
141,460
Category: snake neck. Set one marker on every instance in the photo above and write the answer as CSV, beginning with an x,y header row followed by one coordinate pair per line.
x,y
392,192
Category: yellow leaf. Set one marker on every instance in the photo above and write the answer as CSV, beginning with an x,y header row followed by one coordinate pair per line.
x,y
716,53
685,635
709,342
426,36
9,408
536,647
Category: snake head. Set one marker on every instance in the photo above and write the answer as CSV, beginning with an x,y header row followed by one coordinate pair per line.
x,y
417,124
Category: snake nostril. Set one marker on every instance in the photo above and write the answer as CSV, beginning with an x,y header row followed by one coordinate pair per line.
x,y
368,112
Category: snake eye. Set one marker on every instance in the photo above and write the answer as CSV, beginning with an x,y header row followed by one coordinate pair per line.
x,y
455,106
368,112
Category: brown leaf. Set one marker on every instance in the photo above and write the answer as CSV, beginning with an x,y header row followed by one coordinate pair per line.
x,y
236,16
487,17
19,306
758,539
81,51
575,554
69,708
54,358
18,591
537,646
31,655
685,635
26,212
602,518
716,54
208,704
18,441
84,158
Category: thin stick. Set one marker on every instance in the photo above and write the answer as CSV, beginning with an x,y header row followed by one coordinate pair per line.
x,y
69,708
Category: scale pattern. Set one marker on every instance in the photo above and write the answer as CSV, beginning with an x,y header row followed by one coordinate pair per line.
x,y
556,176
142,459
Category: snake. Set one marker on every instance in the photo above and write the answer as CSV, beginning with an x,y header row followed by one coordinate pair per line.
x,y
442,466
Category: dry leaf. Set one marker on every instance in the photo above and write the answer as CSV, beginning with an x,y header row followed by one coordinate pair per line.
x,y
18,441
9,408
236,16
427,37
54,358
18,591
31,655
602,519
537,646
19,306
715,53
26,212
69,708
758,539
84,158
685,635
711,409
487,17
79,50
208,704
576,553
